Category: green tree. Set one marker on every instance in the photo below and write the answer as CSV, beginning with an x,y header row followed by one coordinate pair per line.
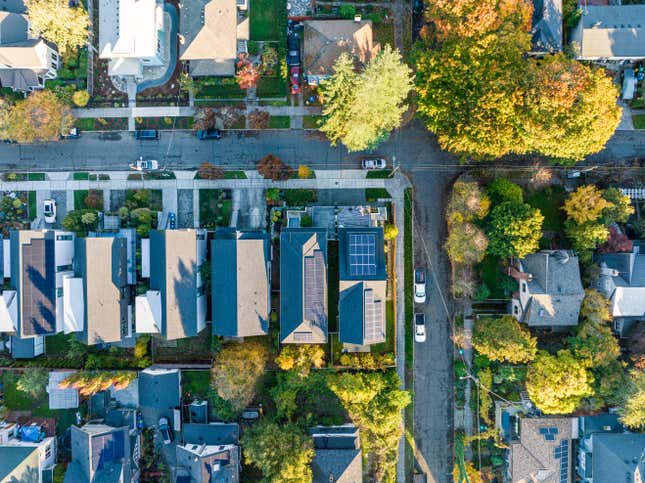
x,y
595,307
611,384
54,20
586,237
558,384
237,370
620,208
466,244
33,381
501,190
80,221
282,452
514,230
301,358
40,117
632,414
503,339
585,204
361,110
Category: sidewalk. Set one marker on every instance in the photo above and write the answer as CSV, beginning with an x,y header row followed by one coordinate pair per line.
x,y
187,111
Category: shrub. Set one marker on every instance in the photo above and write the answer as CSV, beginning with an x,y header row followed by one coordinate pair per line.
x,y
304,172
81,98
306,221
347,11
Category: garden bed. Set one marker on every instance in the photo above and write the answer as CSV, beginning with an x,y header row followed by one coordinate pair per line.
x,y
185,122
311,122
214,207
101,124
639,121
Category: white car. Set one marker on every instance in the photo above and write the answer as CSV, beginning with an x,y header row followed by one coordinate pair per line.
x,y
374,163
420,285
144,164
164,431
420,327
49,210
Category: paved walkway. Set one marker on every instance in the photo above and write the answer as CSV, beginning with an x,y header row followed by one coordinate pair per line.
x,y
468,357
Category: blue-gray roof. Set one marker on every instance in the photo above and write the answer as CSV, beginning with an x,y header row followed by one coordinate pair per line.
x,y
600,423
23,348
350,313
101,453
617,456
213,434
337,454
296,245
159,390
361,254
239,296
18,463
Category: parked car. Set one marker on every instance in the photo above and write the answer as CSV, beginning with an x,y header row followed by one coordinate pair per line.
x,y
374,163
164,430
74,133
294,77
420,327
172,221
49,210
144,164
629,84
146,134
293,49
420,285
203,134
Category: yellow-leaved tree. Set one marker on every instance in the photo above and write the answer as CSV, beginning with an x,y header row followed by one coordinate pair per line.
x,y
54,20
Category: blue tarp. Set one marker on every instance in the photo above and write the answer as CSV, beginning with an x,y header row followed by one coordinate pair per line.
x,y
31,433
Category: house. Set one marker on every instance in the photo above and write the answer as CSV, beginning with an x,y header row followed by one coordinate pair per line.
x,y
363,282
607,453
622,282
546,27
26,61
61,398
33,306
337,454
213,33
303,286
241,297
541,450
610,33
209,452
130,236
325,40
97,302
132,35
550,291
175,304
102,453
159,394
26,454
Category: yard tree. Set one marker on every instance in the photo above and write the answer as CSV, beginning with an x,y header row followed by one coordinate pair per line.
x,y
595,344
466,243
80,221
595,308
503,339
586,237
585,204
40,117
89,383
361,109
301,358
272,167
621,206
467,202
54,20
282,452
501,190
611,384
558,384
33,381
616,242
208,170
374,403
514,230
304,172
632,414
247,75
236,371
390,231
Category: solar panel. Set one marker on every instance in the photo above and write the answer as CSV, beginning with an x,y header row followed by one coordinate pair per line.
x,y
38,288
362,254
372,317
314,288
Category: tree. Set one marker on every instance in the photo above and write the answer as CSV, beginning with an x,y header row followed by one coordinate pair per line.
x,y
611,384
467,202
585,204
514,230
616,243
586,237
186,82
301,358
390,231
558,384
466,244
236,371
282,452
374,403
501,190
33,381
595,308
595,345
305,172
94,199
361,110
141,346
54,20
89,383
621,206
80,221
503,339
204,119
81,98
208,170
272,167
632,414
41,116
247,75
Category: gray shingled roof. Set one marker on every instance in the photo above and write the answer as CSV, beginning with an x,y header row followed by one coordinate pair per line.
x,y
337,454
101,452
345,264
159,389
213,434
547,26
616,457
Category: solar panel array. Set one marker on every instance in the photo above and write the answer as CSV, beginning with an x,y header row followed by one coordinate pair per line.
x,y
38,289
372,318
562,453
362,254
549,433
314,288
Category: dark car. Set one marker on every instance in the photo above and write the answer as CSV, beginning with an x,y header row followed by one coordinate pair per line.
x,y
172,221
147,134
209,134
418,6
293,49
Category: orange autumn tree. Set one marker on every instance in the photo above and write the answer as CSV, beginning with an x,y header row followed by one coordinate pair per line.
x,y
247,75
89,383
41,116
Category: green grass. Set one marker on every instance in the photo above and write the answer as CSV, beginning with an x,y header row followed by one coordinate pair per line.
x,y
384,33
387,347
264,19
379,174
79,199
279,122
332,284
36,176
81,176
639,121
33,209
549,201
373,194
272,87
190,349
299,197
195,383
490,274
234,175
311,122
637,103
219,89
85,123
214,208
57,345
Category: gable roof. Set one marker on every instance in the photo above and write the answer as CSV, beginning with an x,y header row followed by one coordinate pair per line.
x,y
618,456
213,434
554,287
303,285
204,463
240,283
209,30
361,311
102,452
14,27
19,463
159,388
325,40
361,253
337,454
129,28
611,32
546,31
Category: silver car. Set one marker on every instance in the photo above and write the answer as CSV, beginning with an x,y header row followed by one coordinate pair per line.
x,y
49,211
420,327
420,285
374,163
144,164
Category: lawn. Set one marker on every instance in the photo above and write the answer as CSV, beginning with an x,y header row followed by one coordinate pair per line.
x,y
332,284
639,121
379,174
101,124
164,122
373,194
267,19
234,175
384,32
218,88
33,209
272,87
214,207
279,122
195,383
190,350
311,122
491,274
549,201
299,197
36,176
387,347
